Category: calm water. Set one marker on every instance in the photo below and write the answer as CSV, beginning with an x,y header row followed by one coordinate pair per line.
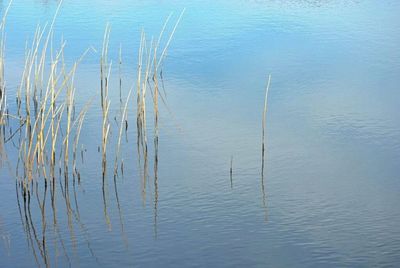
x,y
330,192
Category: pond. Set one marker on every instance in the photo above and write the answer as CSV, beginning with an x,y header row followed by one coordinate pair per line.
x,y
161,164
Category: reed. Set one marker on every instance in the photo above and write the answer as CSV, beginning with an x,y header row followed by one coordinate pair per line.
x,y
3,98
150,59
105,72
69,102
264,197
79,123
45,78
121,129
264,121
48,129
149,64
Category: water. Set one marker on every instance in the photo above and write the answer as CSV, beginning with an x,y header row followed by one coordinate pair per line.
x,y
329,195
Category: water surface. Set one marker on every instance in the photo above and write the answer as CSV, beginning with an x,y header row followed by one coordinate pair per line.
x,y
329,194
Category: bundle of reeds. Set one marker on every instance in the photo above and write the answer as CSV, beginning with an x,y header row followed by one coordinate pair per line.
x,y
43,86
48,129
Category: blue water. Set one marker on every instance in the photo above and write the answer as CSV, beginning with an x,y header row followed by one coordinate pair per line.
x,y
330,191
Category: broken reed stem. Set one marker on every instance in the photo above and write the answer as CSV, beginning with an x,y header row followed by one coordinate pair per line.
x,y
264,117
264,197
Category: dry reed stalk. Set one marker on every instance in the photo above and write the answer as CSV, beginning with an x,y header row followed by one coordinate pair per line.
x,y
3,95
264,119
69,104
105,105
105,102
78,123
154,62
139,79
104,66
46,112
264,197
149,62
163,54
121,128
145,84
37,69
155,97
37,133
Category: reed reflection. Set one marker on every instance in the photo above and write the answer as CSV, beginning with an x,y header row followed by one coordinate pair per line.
x,y
36,228
156,176
5,237
231,172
